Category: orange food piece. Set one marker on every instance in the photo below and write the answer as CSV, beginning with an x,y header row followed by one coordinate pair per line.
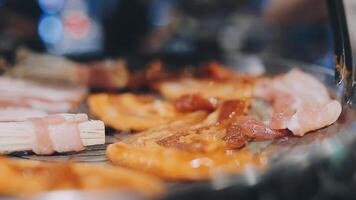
x,y
231,89
131,112
25,177
216,71
245,128
231,108
192,148
194,102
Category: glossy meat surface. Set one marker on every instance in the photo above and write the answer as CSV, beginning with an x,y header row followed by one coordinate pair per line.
x,y
24,177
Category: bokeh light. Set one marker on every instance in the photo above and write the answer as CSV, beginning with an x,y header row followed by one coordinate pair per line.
x,y
77,24
50,29
51,6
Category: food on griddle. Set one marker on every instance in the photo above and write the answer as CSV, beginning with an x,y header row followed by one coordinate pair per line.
x,y
215,144
194,102
45,67
50,134
128,111
156,73
179,95
197,146
21,93
131,112
217,72
106,74
153,73
301,103
231,89
195,124
209,80
15,114
25,177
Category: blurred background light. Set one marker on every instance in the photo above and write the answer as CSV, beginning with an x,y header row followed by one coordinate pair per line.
x,y
76,5
51,6
77,24
160,12
50,29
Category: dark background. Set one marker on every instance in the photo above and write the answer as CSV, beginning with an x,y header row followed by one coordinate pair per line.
x,y
181,32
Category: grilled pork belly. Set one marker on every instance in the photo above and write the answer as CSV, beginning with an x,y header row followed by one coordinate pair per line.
x,y
301,103
26,177
195,146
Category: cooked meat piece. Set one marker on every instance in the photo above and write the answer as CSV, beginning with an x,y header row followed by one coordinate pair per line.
x,y
107,74
216,71
24,177
231,108
145,77
245,128
195,102
193,149
207,88
131,112
202,158
301,102
200,149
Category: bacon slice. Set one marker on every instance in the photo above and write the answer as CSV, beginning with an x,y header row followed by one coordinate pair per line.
x,y
301,102
57,133
19,93
310,118
52,133
11,114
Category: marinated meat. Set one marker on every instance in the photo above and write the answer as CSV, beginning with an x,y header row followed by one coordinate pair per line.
x,y
244,129
216,71
144,78
231,108
235,89
131,112
191,150
195,102
24,177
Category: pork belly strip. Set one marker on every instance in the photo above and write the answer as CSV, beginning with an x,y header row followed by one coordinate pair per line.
x,y
14,114
301,102
20,93
52,133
